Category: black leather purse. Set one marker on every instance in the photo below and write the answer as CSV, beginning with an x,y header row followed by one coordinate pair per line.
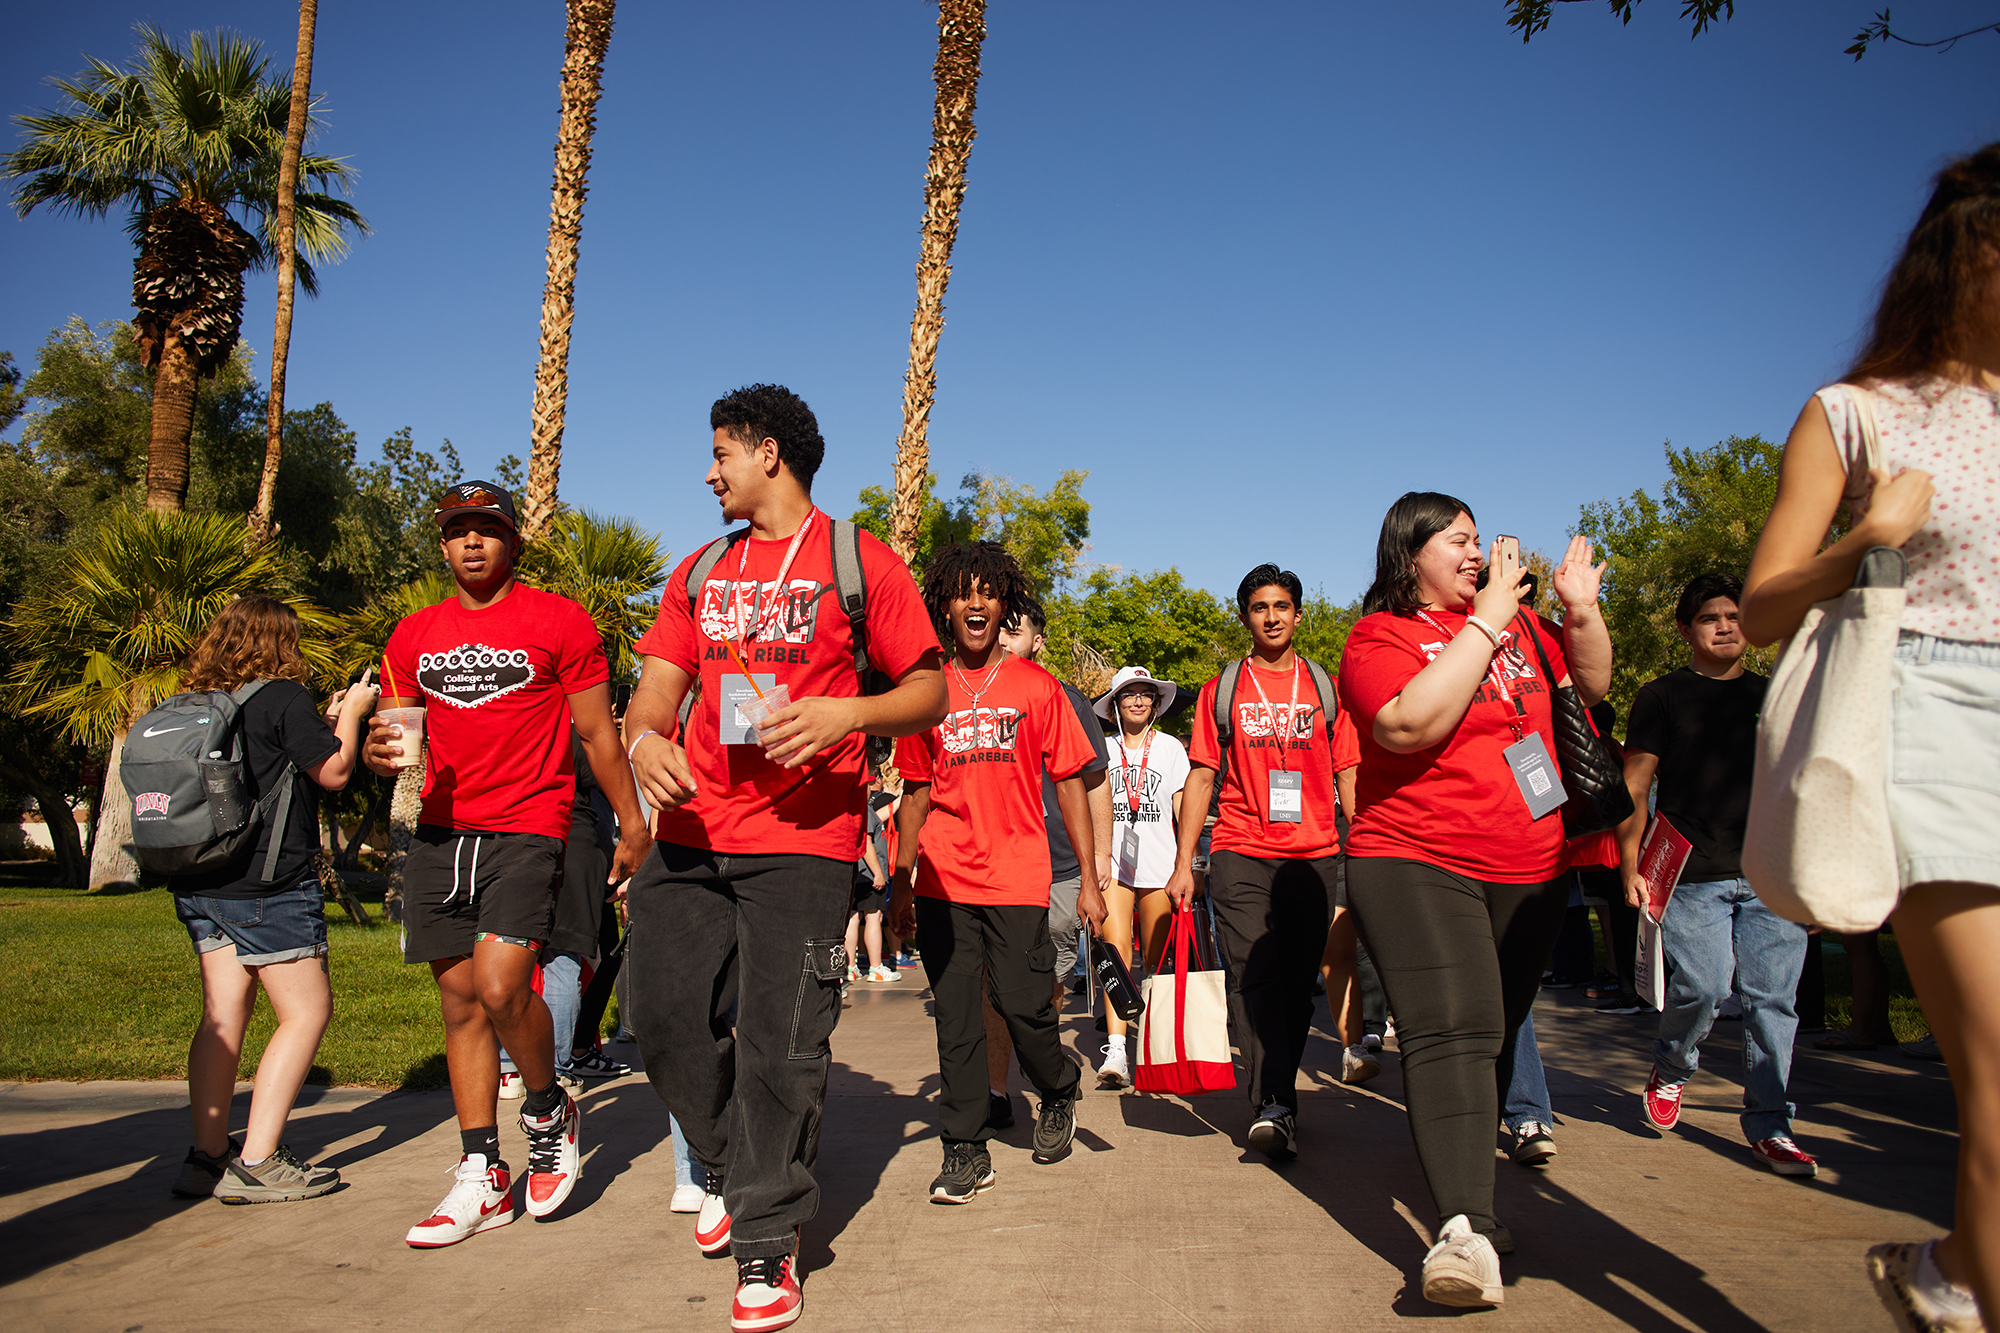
x,y
1599,798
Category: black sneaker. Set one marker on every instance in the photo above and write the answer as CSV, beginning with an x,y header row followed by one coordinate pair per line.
x,y
200,1173
1624,1003
999,1111
1275,1131
968,1169
596,1064
1055,1127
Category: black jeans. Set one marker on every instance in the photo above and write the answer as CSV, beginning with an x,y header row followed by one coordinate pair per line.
x,y
1272,917
766,936
1461,960
1007,950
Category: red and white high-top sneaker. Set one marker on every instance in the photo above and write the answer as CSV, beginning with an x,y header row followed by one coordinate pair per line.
x,y
767,1293
711,1224
1663,1102
481,1198
555,1156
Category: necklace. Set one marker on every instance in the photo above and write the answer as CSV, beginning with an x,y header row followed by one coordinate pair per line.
x,y
966,685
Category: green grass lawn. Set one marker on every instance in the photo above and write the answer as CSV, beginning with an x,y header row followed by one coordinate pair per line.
x,y
106,986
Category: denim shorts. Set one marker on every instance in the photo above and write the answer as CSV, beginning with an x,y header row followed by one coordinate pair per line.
x,y
279,928
1944,765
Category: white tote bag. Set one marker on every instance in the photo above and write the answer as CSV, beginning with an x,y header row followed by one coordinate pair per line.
x,y
1184,1033
1818,849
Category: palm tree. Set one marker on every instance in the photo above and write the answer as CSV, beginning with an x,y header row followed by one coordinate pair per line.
x,y
609,566
585,39
961,31
187,140
107,634
287,247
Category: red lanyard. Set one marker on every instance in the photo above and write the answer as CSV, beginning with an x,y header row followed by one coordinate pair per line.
x,y
1493,673
1291,716
747,628
1145,758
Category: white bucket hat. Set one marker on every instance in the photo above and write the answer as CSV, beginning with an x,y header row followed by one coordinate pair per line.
x,y
1164,691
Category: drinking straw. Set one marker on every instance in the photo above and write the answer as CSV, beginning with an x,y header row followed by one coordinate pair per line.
x,y
743,666
392,679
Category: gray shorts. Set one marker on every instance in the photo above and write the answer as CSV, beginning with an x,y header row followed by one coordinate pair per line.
x,y
1944,765
1063,921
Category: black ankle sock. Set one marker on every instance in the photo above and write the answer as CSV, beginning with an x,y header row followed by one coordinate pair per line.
x,y
485,1141
541,1102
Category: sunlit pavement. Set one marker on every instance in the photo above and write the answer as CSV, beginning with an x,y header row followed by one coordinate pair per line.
x,y
1161,1219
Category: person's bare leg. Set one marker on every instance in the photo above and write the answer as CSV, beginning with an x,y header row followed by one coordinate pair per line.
x,y
503,975
1156,913
1870,1021
302,998
853,941
999,1046
471,1053
1337,973
228,995
1118,934
871,935
1950,935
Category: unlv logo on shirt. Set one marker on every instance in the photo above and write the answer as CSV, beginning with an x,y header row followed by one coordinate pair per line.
x,y
1260,719
473,674
1513,662
789,617
979,729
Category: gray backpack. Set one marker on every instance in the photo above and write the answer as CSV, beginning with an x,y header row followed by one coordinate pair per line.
x,y
191,812
1225,723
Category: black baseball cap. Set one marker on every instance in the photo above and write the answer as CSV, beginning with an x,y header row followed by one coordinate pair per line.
x,y
481,497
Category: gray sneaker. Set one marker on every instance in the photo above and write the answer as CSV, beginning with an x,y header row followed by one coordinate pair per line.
x,y
279,1178
200,1173
1055,1128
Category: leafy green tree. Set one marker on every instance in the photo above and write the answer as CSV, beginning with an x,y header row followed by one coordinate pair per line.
x,y
12,401
188,140
386,535
1706,518
105,635
1529,17
611,567
1045,531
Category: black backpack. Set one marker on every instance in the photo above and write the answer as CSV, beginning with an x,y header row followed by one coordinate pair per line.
x,y
1225,710
850,585
183,766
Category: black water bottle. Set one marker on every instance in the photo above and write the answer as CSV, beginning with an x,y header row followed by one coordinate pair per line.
x,y
222,781
1114,978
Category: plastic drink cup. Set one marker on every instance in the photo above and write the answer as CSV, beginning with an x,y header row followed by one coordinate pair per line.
x,y
411,720
756,709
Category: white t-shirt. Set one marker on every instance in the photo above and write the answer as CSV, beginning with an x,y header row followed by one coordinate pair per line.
x,y
1165,772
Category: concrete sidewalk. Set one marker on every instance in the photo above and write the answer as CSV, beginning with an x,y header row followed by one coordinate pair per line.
x,y
1161,1219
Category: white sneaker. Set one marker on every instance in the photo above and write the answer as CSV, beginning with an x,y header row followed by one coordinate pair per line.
x,y
1462,1269
687,1199
512,1088
481,1198
1372,1042
555,1156
1116,1071
1358,1064
881,973
711,1227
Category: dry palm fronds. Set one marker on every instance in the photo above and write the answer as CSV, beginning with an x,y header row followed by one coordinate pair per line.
x,y
961,32
1089,670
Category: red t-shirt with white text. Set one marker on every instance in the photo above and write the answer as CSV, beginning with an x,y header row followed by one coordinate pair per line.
x,y
744,804
984,840
1241,825
1455,805
494,684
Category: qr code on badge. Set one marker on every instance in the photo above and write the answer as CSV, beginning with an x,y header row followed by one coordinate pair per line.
x,y
1539,780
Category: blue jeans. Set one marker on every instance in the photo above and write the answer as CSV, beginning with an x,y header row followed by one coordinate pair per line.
x,y
562,991
1712,931
1526,1096
687,1171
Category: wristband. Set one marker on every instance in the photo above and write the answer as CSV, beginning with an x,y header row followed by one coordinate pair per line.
x,y
1485,629
634,746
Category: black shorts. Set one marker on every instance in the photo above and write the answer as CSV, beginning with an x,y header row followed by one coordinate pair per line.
x,y
459,888
867,898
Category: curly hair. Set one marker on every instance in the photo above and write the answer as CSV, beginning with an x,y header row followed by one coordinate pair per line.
x,y
1407,528
757,412
954,570
254,638
1930,308
1265,576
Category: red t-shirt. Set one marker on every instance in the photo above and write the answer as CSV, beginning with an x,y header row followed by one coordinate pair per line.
x,y
1455,805
744,804
494,684
984,840
1254,753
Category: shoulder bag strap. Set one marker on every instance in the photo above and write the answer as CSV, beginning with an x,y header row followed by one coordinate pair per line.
x,y
850,584
1329,704
704,565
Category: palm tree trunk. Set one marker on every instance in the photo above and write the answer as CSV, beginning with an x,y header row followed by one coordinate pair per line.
x,y
585,40
173,426
17,765
281,339
404,807
111,859
961,31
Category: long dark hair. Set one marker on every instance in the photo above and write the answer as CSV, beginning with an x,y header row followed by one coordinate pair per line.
x,y
1930,304
1408,526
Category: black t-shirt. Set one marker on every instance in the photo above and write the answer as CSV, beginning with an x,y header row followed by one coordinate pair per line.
x,y
1705,734
1062,857
280,722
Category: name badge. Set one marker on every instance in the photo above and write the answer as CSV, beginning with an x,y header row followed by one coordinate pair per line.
x,y
1541,786
736,690
1288,798
1128,855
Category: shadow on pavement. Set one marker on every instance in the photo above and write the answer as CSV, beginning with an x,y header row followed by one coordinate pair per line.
x,y
866,1123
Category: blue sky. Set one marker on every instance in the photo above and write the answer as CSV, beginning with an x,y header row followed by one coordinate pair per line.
x,y
1258,267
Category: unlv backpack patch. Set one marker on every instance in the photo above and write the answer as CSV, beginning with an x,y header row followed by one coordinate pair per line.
x,y
473,674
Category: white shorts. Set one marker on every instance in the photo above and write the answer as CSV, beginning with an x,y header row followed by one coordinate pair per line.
x,y
1944,765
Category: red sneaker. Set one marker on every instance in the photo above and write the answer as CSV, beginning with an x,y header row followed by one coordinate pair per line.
x,y
767,1293
481,1198
1785,1157
1663,1102
555,1157
711,1225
